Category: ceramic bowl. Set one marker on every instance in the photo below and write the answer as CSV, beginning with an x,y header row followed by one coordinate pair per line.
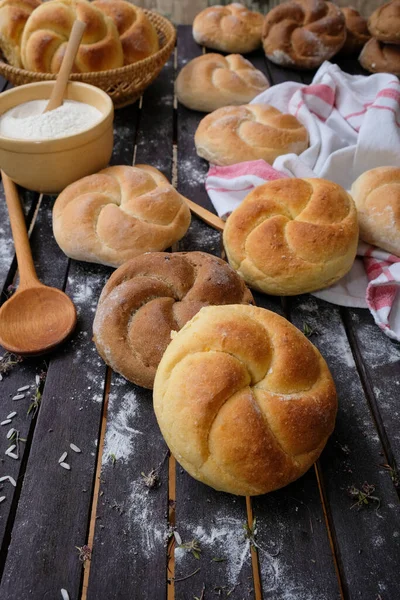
x,y
50,165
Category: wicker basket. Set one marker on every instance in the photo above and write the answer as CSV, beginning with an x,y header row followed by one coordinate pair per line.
x,y
123,85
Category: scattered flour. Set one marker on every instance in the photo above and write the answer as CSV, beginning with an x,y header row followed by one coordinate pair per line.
x,y
120,436
143,505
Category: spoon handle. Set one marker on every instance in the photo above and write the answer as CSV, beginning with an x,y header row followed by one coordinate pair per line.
x,y
57,95
206,216
27,273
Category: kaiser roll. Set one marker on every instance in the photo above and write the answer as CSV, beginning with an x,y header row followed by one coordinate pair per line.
x,y
357,33
212,80
47,31
292,236
230,28
303,33
384,23
377,197
137,33
239,133
244,401
13,16
119,213
152,295
378,57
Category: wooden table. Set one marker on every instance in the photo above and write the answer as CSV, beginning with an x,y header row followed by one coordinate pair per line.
x,y
316,539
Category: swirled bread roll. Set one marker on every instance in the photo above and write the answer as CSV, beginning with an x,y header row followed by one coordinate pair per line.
x,y
292,236
236,134
211,81
244,401
357,33
13,16
377,57
303,33
231,28
376,194
152,295
119,213
47,32
137,33
384,23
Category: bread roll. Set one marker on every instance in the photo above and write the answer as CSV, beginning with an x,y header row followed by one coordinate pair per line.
x,y
231,28
211,81
244,401
384,23
378,57
303,33
357,33
376,194
152,295
13,16
119,213
137,33
292,236
47,31
236,134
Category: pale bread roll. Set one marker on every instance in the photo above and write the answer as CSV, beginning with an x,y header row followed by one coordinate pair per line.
x,y
244,401
384,23
376,194
231,28
378,57
13,16
303,33
292,236
357,33
47,31
119,213
236,134
152,295
211,81
137,33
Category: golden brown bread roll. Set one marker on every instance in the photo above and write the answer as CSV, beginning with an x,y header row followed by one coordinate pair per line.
x,y
303,33
152,295
231,28
376,194
47,31
13,16
357,33
292,236
211,81
236,134
244,401
119,213
137,33
377,57
384,23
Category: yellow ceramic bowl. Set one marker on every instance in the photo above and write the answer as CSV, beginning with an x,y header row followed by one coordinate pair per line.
x,y
50,165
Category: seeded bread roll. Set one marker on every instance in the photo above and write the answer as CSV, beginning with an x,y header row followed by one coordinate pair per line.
x,y
377,57
292,236
13,16
137,33
211,81
231,28
384,23
376,194
244,401
357,33
236,134
303,33
119,213
47,32
152,295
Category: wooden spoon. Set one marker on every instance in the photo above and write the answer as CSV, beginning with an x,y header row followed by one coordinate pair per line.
x,y
206,216
37,317
57,95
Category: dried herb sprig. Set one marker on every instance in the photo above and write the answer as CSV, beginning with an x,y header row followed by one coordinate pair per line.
x,y
250,532
393,474
308,330
152,479
85,553
37,395
193,546
8,362
363,495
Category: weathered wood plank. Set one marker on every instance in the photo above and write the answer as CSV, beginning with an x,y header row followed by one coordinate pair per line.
x,y
366,537
127,509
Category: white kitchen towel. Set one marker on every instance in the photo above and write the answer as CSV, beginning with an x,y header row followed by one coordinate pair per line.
x,y
354,125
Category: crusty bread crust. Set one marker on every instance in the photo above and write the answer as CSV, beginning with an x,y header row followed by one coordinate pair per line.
x,y
378,57
384,23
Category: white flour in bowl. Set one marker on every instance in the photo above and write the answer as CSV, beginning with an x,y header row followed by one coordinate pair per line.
x,y
28,121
